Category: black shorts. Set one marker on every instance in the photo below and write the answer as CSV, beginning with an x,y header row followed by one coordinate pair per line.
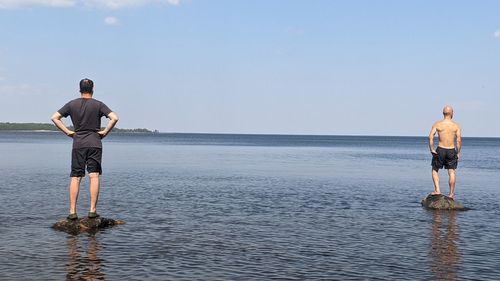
x,y
89,157
445,157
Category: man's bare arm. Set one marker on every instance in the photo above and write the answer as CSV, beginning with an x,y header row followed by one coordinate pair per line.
x,y
113,119
56,118
459,141
431,139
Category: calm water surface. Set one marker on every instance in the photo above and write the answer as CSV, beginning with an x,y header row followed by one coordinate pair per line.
x,y
250,207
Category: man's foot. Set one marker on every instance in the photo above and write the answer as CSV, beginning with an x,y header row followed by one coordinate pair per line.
x,y
435,193
72,217
93,215
452,197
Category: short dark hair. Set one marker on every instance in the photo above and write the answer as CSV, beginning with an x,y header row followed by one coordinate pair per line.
x,y
86,86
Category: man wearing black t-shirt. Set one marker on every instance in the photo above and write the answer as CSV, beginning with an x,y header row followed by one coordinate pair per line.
x,y
86,114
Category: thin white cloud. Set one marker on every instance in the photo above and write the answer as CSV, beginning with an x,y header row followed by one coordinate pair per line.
x,y
470,105
20,90
295,31
109,4
118,4
496,34
9,4
2,74
111,21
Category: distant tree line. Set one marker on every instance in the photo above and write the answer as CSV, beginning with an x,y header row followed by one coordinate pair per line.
x,y
6,126
27,127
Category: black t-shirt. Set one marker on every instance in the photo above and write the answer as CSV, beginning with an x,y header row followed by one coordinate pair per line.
x,y
86,117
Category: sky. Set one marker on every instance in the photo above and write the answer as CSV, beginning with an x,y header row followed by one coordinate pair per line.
x,y
330,67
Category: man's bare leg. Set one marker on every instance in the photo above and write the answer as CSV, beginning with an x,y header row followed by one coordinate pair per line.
x,y
74,188
451,182
435,179
94,191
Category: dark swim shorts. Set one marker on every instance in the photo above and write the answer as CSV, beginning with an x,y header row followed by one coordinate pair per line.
x,y
89,157
445,157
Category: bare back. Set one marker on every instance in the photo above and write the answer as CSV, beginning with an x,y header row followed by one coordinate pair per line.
x,y
448,132
447,154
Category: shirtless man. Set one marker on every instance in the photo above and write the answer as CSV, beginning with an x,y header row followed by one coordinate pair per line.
x,y
447,153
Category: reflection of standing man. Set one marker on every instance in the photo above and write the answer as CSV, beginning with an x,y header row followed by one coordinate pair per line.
x,y
81,267
86,114
444,252
446,154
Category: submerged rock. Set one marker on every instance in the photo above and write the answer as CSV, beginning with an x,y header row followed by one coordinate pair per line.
x,y
85,225
442,202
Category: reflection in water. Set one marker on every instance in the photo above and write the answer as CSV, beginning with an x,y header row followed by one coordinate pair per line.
x,y
81,266
444,253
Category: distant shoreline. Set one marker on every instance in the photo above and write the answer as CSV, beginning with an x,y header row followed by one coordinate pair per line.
x,y
47,127
125,131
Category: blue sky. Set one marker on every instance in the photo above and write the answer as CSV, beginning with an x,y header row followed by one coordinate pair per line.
x,y
300,67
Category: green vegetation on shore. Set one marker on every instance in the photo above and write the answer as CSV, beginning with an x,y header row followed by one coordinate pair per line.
x,y
6,126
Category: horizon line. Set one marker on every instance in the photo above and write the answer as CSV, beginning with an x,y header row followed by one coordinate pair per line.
x,y
262,134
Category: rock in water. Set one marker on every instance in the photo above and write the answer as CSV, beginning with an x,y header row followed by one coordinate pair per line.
x,y
442,202
85,225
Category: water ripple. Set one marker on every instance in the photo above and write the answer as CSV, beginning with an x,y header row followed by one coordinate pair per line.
x,y
249,213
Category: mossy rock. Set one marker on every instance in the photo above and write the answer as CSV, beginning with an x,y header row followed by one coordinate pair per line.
x,y
442,202
85,225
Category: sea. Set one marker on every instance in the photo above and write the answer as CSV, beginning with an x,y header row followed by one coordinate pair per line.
x,y
250,207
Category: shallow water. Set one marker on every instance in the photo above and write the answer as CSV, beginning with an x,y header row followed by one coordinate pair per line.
x,y
246,207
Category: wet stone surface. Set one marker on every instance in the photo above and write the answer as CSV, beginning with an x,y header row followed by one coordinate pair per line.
x,y
442,202
85,225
